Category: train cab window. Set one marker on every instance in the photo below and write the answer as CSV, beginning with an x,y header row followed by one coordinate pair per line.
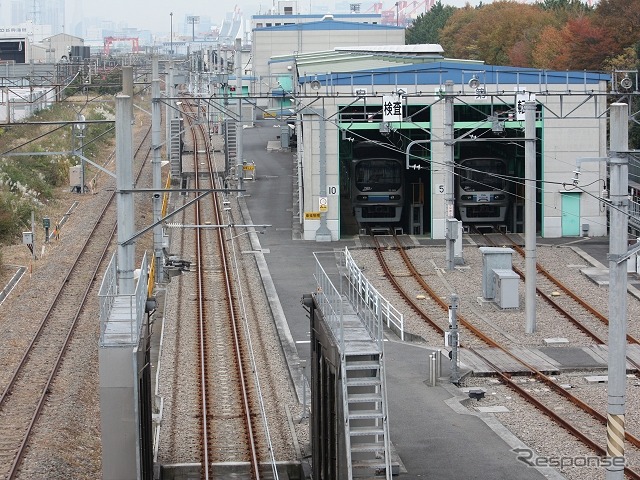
x,y
482,174
378,175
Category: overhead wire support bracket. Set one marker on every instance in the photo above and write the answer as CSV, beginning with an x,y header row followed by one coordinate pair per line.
x,y
177,210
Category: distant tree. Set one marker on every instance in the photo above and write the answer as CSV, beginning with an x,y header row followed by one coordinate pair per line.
x,y
578,45
550,51
572,7
621,21
460,22
426,28
498,33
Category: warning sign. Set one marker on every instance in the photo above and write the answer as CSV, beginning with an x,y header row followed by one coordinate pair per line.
x,y
323,204
312,215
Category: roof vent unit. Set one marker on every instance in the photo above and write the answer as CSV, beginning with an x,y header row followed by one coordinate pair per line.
x,y
327,17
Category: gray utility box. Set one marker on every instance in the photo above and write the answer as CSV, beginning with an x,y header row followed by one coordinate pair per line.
x,y
493,258
75,176
506,288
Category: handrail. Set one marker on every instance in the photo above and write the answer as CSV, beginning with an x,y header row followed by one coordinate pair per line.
x,y
118,331
370,306
363,293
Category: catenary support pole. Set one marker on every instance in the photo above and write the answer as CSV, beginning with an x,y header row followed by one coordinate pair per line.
x,y
168,92
454,339
124,181
619,176
127,83
156,162
530,215
323,234
239,131
449,173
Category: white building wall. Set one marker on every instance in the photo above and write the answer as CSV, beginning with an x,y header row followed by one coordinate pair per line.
x,y
580,135
311,169
60,45
17,104
564,141
269,43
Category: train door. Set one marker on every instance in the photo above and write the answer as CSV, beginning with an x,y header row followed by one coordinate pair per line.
x,y
570,214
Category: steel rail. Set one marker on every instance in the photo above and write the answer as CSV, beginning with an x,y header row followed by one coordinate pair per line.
x,y
198,135
17,460
201,320
590,308
588,441
232,305
539,375
594,413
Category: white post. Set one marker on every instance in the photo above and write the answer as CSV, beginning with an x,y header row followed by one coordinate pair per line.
x,y
124,181
449,175
530,215
156,119
619,175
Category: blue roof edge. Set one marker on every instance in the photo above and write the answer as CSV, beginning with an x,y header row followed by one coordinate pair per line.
x,y
409,74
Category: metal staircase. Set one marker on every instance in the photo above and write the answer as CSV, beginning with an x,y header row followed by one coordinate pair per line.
x,y
231,143
175,147
365,415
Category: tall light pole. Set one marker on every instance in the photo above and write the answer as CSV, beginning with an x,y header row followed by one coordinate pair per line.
x,y
193,19
397,13
171,39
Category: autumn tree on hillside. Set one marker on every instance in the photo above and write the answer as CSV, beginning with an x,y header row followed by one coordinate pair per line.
x,y
621,20
493,31
566,9
579,45
459,21
426,28
550,52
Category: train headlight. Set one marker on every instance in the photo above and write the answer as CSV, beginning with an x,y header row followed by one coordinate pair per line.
x,y
466,197
499,197
394,197
362,198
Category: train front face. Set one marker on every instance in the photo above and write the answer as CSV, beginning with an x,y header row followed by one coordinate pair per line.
x,y
377,190
481,192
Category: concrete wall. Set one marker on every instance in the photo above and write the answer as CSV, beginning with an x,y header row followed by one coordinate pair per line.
x,y
118,413
311,165
24,102
565,141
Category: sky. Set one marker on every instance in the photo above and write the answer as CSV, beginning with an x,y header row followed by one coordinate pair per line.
x,y
157,18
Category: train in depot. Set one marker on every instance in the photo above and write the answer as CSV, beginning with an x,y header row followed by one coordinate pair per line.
x,y
378,182
483,190
377,173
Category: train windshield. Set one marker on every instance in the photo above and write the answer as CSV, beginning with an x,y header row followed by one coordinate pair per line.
x,y
482,174
378,175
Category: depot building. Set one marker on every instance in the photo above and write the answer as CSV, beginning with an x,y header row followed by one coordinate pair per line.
x,y
398,96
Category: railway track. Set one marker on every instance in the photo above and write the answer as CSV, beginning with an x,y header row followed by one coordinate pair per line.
x,y
577,310
558,391
230,428
25,389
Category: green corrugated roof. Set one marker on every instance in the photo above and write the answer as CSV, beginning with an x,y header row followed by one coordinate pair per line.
x,y
344,61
